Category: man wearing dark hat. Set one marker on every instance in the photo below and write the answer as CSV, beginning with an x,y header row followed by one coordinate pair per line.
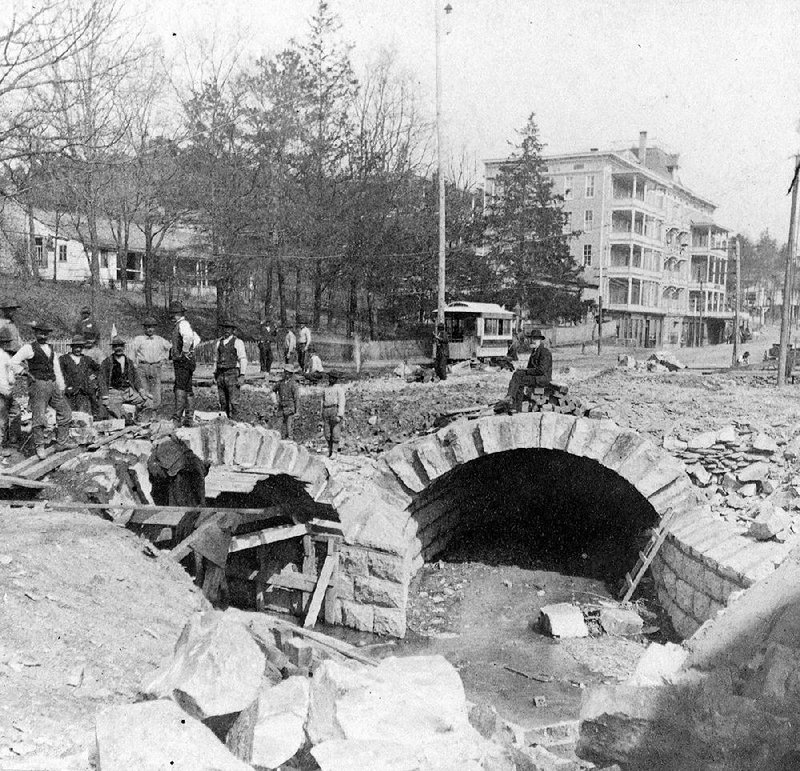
x,y
45,388
150,352
184,341
80,378
288,392
537,373
8,309
86,327
333,401
7,379
441,352
266,337
231,367
120,381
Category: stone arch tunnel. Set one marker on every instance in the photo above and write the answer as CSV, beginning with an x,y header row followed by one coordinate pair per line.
x,y
398,512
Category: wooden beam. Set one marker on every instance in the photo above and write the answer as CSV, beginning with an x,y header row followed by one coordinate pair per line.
x,y
185,546
323,639
8,481
332,594
319,592
266,536
289,580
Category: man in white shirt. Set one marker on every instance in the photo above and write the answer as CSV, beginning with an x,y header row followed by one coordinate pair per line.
x,y
6,389
303,343
150,352
184,341
230,368
289,346
333,402
46,389
8,309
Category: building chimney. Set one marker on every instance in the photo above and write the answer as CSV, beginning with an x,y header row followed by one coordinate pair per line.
x,y
642,147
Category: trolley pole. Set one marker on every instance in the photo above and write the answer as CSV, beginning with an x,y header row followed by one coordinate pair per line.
x,y
735,356
440,165
788,280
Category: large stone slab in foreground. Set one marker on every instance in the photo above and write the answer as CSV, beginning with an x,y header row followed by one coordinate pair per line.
x,y
159,736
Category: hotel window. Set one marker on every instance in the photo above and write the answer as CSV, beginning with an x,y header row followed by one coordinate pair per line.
x,y
62,252
567,221
587,254
38,247
103,258
568,188
588,219
590,185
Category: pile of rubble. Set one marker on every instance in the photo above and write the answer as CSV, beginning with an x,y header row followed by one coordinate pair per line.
x,y
661,361
239,694
747,475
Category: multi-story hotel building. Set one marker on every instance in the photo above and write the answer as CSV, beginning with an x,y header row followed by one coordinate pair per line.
x,y
645,241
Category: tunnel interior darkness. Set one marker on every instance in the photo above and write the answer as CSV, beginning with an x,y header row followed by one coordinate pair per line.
x,y
537,509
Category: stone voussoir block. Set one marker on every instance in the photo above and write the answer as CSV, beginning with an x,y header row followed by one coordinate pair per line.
x,y
564,426
606,433
285,457
193,438
526,428
663,473
227,442
625,445
389,567
581,437
383,530
459,440
403,467
271,441
211,446
377,591
493,435
433,457
248,442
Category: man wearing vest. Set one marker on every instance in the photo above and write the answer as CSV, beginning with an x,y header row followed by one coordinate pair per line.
x,y
288,392
80,378
45,389
184,341
231,367
121,383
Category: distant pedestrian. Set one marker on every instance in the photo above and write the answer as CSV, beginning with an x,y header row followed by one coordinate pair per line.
x,y
45,389
86,326
121,382
333,404
289,346
288,394
150,353
303,345
80,378
230,368
7,379
441,351
184,342
8,310
266,338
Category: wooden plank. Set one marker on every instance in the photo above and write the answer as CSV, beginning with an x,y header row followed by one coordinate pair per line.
x,y
292,581
323,639
10,480
332,595
309,564
319,592
185,546
265,536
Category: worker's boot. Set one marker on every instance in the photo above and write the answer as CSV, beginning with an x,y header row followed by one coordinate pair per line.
x,y
188,419
180,408
38,441
63,439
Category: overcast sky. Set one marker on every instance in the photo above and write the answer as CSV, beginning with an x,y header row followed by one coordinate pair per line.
x,y
716,80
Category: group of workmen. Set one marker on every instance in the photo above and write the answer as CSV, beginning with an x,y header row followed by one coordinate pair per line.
x,y
85,380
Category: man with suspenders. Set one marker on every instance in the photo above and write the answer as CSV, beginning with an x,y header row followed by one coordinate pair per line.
x,y
45,389
230,368
184,341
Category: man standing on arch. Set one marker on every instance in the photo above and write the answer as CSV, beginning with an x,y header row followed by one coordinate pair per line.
x,y
184,341
537,373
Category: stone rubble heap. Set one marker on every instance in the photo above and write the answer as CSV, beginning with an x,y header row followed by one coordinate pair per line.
x,y
231,699
747,475
661,361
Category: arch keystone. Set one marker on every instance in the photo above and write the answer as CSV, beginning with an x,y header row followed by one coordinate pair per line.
x,y
432,457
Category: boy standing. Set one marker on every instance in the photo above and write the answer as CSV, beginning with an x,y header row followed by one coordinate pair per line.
x,y
333,401
288,392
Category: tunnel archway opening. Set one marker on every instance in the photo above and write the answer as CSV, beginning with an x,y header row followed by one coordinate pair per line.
x,y
535,508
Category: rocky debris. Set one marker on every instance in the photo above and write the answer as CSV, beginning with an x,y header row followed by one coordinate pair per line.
x,y
627,361
157,735
271,730
216,668
622,622
659,664
668,360
562,620
770,522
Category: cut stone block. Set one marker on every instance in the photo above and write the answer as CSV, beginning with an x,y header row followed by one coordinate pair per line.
x,y
770,521
562,620
764,443
621,622
659,664
755,472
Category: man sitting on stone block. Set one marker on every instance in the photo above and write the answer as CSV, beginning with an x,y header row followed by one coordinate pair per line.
x,y
121,382
538,373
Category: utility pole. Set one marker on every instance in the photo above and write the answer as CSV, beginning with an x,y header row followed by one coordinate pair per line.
x,y
440,165
788,280
735,355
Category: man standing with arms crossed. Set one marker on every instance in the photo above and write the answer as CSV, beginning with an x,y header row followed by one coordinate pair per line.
x,y
150,352
184,341
230,369
45,388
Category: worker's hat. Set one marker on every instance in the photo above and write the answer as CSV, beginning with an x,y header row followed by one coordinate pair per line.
x,y
536,334
42,326
7,302
149,322
77,340
117,341
176,306
86,309
226,322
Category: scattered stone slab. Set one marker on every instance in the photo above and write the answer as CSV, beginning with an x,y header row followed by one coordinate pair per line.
x,y
770,521
157,735
748,490
270,731
700,475
216,668
621,622
755,472
727,435
702,441
765,443
109,426
673,444
659,664
562,620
